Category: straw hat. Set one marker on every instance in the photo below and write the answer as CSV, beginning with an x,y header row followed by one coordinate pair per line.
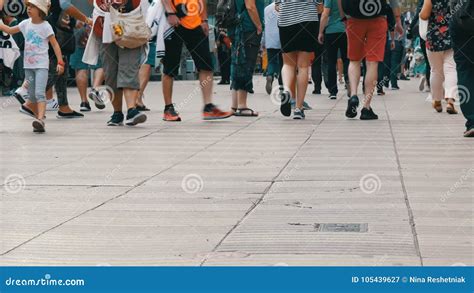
x,y
42,5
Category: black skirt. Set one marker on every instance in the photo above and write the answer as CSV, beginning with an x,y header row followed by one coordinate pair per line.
x,y
302,36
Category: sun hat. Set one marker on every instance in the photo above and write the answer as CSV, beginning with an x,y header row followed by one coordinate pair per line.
x,y
42,5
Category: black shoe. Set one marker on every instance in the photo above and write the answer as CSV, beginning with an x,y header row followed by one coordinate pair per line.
x,y
71,115
19,98
116,119
142,108
135,117
223,82
368,114
26,111
38,126
332,96
386,83
94,95
395,88
251,91
469,132
352,105
404,77
85,107
285,106
316,92
380,92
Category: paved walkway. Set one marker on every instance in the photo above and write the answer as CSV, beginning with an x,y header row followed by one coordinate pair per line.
x,y
244,191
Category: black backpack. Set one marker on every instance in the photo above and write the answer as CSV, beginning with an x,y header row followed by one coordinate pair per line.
x,y
365,9
227,15
463,14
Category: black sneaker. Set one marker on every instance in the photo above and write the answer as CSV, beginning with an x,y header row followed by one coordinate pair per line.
x,y
95,96
142,108
333,96
26,111
298,114
368,114
316,92
71,115
135,117
116,119
352,105
85,107
285,106
38,126
269,84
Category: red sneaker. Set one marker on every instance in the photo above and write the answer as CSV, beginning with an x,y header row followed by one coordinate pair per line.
x,y
214,113
171,114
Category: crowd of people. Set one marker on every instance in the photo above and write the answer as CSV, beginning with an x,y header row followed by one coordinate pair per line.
x,y
332,42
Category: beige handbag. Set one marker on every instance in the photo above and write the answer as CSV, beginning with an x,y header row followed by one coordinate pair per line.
x,y
129,30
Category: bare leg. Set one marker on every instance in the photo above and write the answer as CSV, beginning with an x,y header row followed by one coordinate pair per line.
x,y
81,82
205,80
117,101
304,65
49,94
370,82
288,72
144,75
242,99
41,110
354,76
98,78
130,98
234,99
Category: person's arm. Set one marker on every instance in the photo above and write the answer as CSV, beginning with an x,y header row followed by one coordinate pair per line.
x,y
1,5
9,30
173,20
323,24
253,13
72,11
341,11
57,52
426,10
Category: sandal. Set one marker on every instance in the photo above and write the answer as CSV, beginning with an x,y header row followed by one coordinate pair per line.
x,y
450,108
246,112
438,106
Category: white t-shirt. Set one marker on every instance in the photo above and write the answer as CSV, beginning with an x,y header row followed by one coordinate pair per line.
x,y
36,43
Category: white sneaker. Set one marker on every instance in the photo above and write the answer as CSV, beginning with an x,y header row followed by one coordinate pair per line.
x,y
52,105
429,98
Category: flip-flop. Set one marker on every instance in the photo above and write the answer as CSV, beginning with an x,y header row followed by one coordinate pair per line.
x,y
245,112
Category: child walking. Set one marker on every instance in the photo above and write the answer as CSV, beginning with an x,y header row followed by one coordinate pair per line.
x,y
37,32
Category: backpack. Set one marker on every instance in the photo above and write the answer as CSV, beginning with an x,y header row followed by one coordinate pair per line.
x,y
463,14
227,15
365,9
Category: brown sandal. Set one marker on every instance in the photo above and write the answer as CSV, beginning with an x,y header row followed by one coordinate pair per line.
x,y
450,108
438,106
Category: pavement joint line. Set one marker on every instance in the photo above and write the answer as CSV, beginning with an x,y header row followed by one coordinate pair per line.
x,y
267,189
404,189
133,187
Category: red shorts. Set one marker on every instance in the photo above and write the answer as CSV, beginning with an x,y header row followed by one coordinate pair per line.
x,y
366,38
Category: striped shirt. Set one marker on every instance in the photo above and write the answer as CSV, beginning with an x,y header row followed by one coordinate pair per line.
x,y
297,11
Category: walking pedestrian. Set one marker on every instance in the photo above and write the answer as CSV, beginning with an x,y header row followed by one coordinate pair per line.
x,y
440,54
271,43
223,56
298,25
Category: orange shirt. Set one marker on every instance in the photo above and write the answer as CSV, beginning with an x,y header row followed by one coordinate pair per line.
x,y
192,10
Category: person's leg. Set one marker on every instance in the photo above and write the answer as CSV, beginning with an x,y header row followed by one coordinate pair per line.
x,y
436,60
354,76
41,80
206,83
31,102
171,63
144,75
303,61
450,80
61,84
316,70
81,83
332,51
98,78
111,66
288,72
370,82
464,57
395,64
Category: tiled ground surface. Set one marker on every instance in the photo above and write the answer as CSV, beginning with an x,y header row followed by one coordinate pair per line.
x,y
244,191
